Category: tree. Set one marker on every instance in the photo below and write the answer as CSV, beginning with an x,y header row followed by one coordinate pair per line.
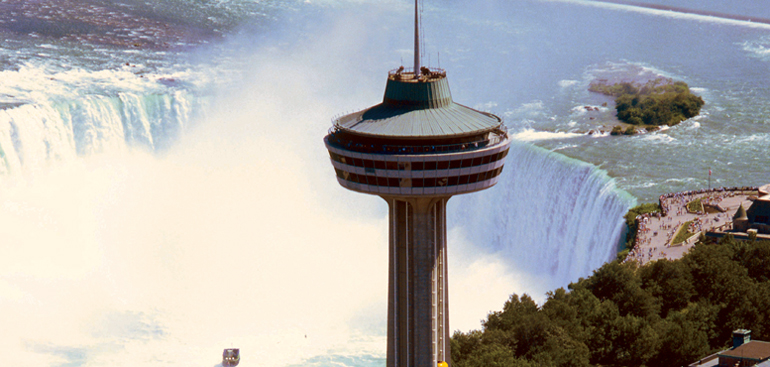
x,y
514,311
618,282
635,343
561,350
462,345
756,259
562,309
492,355
720,277
682,341
613,318
669,282
601,332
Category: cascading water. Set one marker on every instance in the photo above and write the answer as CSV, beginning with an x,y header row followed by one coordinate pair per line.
x,y
154,259
551,217
35,133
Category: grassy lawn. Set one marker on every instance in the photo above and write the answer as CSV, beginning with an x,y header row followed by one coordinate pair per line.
x,y
683,233
695,206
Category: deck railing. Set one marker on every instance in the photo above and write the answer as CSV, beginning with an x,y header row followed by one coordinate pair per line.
x,y
497,136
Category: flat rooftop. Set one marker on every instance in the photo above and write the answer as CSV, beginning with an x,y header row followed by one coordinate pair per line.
x,y
755,349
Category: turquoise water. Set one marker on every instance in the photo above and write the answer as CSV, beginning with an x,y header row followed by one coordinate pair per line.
x,y
158,160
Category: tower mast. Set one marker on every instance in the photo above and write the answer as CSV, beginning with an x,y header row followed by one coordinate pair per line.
x,y
416,39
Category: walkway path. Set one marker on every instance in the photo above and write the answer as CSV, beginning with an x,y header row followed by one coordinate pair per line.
x,y
656,232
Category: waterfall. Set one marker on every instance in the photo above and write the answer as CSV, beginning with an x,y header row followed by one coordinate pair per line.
x,y
550,217
35,133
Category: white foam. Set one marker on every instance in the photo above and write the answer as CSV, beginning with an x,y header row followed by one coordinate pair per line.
x,y
39,82
567,83
760,137
583,109
526,110
579,110
530,135
625,71
680,180
758,48
485,106
658,138
563,147
669,13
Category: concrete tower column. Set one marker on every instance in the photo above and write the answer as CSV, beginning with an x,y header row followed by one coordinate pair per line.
x,y
418,304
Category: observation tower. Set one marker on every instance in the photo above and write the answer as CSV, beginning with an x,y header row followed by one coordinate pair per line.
x,y
415,150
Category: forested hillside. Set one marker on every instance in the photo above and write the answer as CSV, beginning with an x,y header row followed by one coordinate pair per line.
x,y
665,313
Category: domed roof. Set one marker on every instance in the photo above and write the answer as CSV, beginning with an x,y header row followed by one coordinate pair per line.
x,y
418,108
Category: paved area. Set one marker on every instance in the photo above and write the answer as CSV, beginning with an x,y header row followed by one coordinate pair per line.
x,y
653,239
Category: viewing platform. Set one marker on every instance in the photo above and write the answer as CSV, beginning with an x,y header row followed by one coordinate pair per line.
x,y
416,111
418,141
340,139
408,74
656,233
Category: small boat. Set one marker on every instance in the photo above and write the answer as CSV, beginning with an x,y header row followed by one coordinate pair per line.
x,y
231,357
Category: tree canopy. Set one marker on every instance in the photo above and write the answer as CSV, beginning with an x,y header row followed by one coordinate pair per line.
x,y
658,102
665,313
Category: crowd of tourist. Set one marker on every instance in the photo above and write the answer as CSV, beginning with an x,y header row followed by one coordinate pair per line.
x,y
647,242
687,196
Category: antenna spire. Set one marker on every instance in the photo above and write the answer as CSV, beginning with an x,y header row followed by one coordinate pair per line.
x,y
416,40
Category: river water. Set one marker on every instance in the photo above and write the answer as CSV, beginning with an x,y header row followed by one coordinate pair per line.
x,y
165,192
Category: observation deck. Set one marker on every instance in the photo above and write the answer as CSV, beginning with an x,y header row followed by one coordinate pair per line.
x,y
417,142
417,108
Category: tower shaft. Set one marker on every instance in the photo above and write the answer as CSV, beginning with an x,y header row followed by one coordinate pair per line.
x,y
418,302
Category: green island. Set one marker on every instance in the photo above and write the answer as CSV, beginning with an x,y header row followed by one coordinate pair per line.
x,y
658,102
663,313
